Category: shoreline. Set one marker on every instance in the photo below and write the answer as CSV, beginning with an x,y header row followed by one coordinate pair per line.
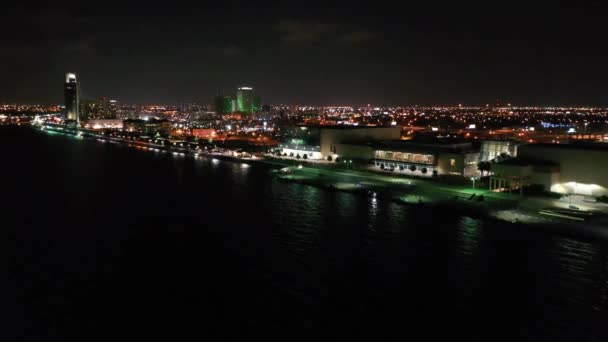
x,y
400,189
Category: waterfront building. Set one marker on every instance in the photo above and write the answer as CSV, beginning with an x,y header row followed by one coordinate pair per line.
x,y
72,98
104,124
578,168
427,158
150,126
337,141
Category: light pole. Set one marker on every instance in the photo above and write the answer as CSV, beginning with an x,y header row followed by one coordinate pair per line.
x,y
473,179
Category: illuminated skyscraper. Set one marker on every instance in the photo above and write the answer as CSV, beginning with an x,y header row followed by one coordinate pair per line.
x,y
72,100
113,109
104,105
244,100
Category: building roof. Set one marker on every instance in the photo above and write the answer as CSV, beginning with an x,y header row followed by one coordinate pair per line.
x,y
349,127
525,162
587,146
424,147
150,121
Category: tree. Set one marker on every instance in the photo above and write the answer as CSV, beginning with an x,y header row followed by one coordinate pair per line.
x,y
329,158
435,173
285,154
412,168
291,154
484,167
424,170
337,159
298,156
381,166
305,156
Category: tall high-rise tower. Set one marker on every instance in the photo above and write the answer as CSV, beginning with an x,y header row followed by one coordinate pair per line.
x,y
72,95
244,100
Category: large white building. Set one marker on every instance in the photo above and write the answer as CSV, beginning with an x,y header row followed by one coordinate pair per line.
x,y
491,149
441,158
333,137
562,168
339,141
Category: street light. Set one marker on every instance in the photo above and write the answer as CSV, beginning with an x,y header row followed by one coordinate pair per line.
x,y
473,179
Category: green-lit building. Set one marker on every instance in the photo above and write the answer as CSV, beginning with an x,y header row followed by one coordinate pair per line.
x,y
244,100
257,104
223,104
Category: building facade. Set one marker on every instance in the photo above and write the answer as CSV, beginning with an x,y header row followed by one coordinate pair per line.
x,y
457,159
332,137
72,98
150,126
257,104
244,100
562,168
223,104
491,149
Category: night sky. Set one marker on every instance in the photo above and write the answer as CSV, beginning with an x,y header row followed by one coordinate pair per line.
x,y
343,53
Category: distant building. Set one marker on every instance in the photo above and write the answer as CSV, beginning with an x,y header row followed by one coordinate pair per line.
x,y
104,124
204,133
223,104
113,109
244,100
150,126
72,98
257,104
102,108
88,109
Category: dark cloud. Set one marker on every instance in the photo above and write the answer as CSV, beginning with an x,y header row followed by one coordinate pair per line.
x,y
347,53
355,37
231,50
300,32
294,31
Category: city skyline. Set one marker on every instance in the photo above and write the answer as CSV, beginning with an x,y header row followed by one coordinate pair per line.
x,y
532,55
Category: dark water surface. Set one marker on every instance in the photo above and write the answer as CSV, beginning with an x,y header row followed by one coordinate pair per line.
x,y
105,241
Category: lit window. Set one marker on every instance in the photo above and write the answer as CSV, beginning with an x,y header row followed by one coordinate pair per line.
x,y
452,162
